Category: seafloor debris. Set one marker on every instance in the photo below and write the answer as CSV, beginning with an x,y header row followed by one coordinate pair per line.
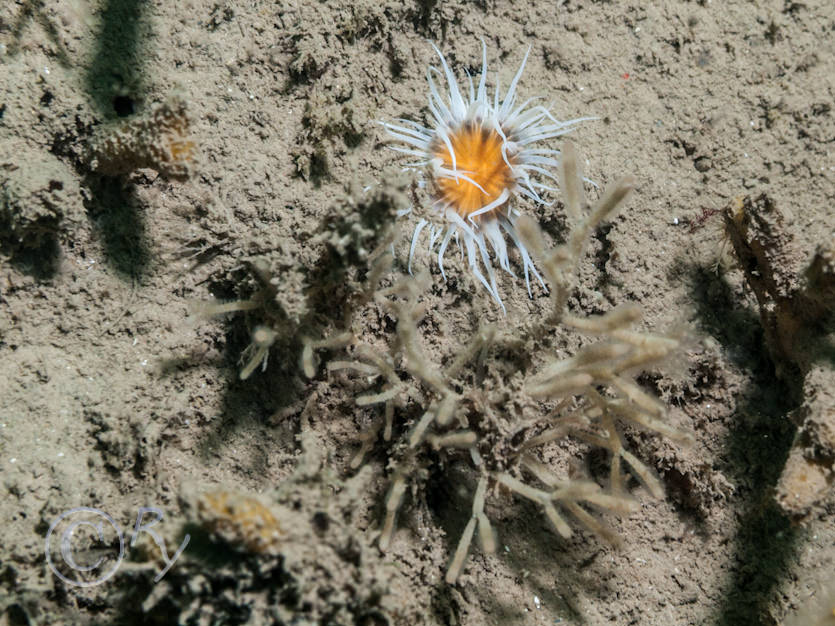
x,y
37,192
360,230
501,421
275,324
328,131
160,140
290,556
818,609
797,314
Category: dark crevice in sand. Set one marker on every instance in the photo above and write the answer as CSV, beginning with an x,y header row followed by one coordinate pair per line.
x,y
117,69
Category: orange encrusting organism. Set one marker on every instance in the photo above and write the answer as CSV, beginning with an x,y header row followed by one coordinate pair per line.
x,y
478,156
241,520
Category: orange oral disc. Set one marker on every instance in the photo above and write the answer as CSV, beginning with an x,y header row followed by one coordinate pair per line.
x,y
478,156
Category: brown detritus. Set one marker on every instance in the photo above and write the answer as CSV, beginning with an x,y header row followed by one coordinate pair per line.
x,y
821,276
293,554
379,262
796,312
585,396
809,473
329,131
360,229
37,193
160,140
356,242
698,222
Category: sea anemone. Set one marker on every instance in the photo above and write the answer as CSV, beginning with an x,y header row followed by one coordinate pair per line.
x,y
480,156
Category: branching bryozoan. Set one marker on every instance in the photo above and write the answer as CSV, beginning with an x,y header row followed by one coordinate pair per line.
x,y
586,396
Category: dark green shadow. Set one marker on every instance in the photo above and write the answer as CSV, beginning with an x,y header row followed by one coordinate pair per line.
x,y
114,79
757,447
119,218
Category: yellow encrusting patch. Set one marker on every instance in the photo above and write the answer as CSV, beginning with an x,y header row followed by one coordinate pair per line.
x,y
478,155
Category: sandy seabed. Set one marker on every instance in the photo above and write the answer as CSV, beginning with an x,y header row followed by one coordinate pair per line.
x,y
254,171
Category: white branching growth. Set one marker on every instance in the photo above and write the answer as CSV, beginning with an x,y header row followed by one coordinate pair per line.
x,y
599,375
598,378
586,396
560,265
339,340
485,533
263,337
258,351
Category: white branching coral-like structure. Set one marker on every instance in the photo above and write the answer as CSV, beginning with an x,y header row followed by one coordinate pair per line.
x,y
586,396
